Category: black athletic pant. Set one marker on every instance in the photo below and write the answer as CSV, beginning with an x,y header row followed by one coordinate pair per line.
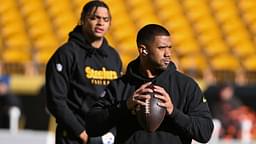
x,y
62,137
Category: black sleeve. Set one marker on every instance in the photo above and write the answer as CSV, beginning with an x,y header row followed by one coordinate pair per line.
x,y
57,88
106,113
13,100
197,122
118,62
120,66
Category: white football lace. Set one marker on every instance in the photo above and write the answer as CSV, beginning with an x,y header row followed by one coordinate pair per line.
x,y
147,107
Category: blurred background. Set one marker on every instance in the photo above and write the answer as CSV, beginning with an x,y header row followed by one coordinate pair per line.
x,y
214,42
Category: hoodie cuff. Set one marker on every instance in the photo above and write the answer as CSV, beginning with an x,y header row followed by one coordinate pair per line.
x,y
123,108
179,118
78,131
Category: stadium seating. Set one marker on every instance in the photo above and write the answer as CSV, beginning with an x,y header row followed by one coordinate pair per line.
x,y
194,65
213,40
250,69
205,32
225,68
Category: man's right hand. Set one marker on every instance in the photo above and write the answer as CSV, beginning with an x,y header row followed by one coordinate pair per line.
x,y
139,96
84,137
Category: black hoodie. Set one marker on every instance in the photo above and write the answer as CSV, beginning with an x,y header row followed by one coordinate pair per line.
x,y
76,75
190,119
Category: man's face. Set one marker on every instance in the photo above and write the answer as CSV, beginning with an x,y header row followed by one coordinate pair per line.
x,y
159,52
97,22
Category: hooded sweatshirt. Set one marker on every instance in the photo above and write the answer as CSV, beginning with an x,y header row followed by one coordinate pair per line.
x,y
189,120
76,76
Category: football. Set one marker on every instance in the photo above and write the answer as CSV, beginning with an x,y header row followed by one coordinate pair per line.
x,y
151,116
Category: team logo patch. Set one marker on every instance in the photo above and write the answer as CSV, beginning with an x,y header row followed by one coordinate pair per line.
x,y
103,94
204,100
59,67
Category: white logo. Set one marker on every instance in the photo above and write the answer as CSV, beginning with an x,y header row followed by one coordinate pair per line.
x,y
108,138
103,94
204,100
59,67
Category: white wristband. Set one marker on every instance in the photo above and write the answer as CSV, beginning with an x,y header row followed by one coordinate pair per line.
x,y
108,138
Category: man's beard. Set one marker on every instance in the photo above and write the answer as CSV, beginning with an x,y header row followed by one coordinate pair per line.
x,y
157,67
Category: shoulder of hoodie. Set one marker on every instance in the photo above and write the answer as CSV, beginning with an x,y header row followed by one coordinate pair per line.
x,y
185,80
64,52
182,80
119,83
112,50
68,48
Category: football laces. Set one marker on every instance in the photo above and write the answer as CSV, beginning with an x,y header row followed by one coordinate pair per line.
x,y
147,107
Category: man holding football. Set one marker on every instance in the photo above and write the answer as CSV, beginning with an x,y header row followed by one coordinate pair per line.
x,y
187,114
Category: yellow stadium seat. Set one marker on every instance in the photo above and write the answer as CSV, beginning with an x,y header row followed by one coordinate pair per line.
x,y
236,39
12,30
121,34
122,28
7,5
215,29
16,55
28,7
205,24
248,9
219,6
164,4
184,42
110,40
169,11
181,33
10,16
230,29
35,32
196,10
208,36
14,61
126,58
57,7
41,59
138,10
1,44
78,6
166,15
42,56
245,49
187,47
250,69
193,65
46,42
225,62
216,48
63,17
128,47
18,41
135,3
224,68
37,18
250,63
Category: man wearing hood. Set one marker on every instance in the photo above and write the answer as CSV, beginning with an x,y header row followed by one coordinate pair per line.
x,y
187,113
78,72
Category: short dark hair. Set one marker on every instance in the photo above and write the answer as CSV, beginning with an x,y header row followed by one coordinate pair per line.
x,y
148,32
88,7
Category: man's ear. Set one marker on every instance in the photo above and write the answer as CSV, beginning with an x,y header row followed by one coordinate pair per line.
x,y
143,50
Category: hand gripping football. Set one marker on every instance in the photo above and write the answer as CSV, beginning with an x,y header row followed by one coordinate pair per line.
x,y
151,116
